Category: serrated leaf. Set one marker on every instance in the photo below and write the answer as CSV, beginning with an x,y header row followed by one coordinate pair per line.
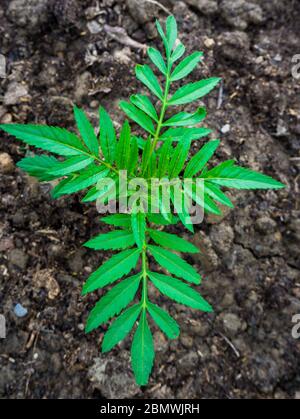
x,y
157,59
158,219
171,31
114,240
165,322
241,178
193,91
185,119
179,207
214,192
88,177
55,192
179,157
113,302
39,167
138,224
144,104
142,351
178,52
71,165
179,134
86,131
118,220
171,241
163,37
115,268
202,199
186,66
57,140
164,158
179,291
199,160
137,116
174,264
148,78
123,147
95,193
108,140
120,328
134,155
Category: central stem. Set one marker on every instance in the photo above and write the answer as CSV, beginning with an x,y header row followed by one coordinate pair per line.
x,y
144,275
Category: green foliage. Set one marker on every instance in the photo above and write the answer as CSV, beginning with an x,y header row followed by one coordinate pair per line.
x,y
84,161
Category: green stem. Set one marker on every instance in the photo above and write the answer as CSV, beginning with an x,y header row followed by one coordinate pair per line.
x,y
144,275
162,114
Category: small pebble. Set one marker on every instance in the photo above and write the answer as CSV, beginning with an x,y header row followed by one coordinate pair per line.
x,y
20,311
2,67
225,129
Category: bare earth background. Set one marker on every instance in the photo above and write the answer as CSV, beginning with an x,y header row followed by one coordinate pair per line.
x,y
55,53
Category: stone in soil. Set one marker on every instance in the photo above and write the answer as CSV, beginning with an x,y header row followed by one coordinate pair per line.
x,y
111,375
206,7
6,164
30,14
18,259
2,66
15,93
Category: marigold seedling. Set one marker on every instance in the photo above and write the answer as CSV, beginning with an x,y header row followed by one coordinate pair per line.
x,y
87,161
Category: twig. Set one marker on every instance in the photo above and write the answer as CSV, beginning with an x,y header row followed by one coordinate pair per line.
x,y
119,34
220,96
231,345
159,5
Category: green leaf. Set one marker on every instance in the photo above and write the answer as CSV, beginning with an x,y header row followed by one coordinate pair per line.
x,y
95,193
134,156
174,264
118,220
111,270
158,219
178,134
193,91
86,131
120,328
199,160
142,351
171,241
179,291
138,224
179,157
164,158
186,66
181,210
39,166
157,59
108,140
184,118
214,192
166,323
113,302
54,139
178,52
163,37
137,116
71,165
88,177
55,193
115,240
201,198
241,178
144,103
123,147
147,77
171,29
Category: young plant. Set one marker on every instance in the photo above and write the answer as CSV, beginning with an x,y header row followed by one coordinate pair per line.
x,y
163,154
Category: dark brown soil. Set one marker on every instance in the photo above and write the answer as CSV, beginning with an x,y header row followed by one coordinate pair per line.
x,y
250,256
